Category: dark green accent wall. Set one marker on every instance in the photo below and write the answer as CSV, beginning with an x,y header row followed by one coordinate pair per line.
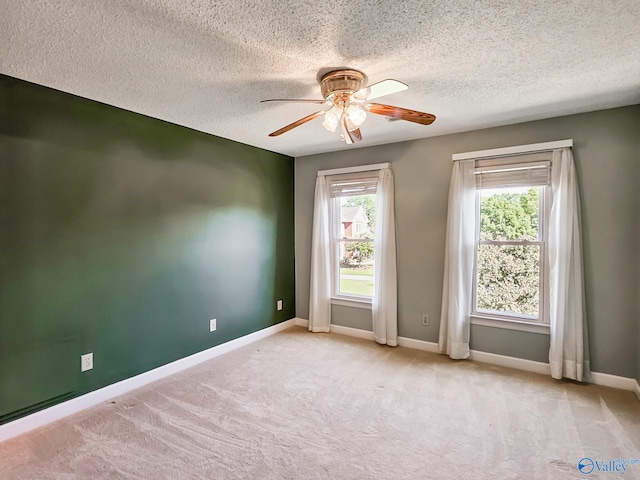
x,y
128,234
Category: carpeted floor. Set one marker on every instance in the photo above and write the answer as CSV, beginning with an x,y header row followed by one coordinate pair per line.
x,y
322,406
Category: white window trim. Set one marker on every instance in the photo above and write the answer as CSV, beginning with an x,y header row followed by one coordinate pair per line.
x,y
342,298
355,302
361,168
488,321
345,300
516,150
514,321
536,327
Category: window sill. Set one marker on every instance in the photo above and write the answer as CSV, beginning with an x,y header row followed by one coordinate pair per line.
x,y
351,302
540,328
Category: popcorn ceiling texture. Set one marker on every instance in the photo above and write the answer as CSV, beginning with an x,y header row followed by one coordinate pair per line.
x,y
207,65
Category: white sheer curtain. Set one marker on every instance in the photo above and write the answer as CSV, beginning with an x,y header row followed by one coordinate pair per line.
x,y
458,263
385,296
569,352
320,285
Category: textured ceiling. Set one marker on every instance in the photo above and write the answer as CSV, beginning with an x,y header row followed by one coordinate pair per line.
x,y
207,64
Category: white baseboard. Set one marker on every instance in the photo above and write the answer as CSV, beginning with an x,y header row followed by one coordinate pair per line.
x,y
511,362
596,378
352,332
75,405
613,381
340,330
418,344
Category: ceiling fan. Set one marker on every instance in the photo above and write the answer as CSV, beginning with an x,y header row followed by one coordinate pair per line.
x,y
349,101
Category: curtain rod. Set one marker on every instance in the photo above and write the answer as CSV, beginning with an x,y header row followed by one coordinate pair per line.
x,y
362,168
501,152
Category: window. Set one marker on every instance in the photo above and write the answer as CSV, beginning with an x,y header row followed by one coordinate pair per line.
x,y
352,219
348,269
510,275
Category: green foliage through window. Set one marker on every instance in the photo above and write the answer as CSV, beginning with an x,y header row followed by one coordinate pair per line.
x,y
509,216
508,276
358,252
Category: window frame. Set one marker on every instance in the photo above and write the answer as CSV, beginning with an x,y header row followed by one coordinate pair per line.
x,y
516,321
337,236
335,277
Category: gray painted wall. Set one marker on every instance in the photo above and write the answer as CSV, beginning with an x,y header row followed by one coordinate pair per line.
x,y
606,153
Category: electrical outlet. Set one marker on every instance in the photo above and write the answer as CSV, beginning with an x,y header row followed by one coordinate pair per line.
x,y
212,325
86,362
425,320
279,305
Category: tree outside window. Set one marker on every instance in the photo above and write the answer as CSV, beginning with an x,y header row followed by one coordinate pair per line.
x,y
510,247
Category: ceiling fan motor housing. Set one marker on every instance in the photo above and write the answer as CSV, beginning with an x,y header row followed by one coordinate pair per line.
x,y
342,82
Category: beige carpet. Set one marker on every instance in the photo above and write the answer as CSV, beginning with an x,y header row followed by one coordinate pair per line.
x,y
305,406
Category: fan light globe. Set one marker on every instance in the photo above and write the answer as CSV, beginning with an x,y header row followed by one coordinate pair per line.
x,y
332,118
356,114
350,125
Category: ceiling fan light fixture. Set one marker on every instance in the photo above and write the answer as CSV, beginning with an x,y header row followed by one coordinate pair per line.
x,y
349,100
332,118
357,115
362,94
350,125
342,81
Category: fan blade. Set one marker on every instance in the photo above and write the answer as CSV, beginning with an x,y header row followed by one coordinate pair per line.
x,y
294,100
297,123
356,135
376,90
401,113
